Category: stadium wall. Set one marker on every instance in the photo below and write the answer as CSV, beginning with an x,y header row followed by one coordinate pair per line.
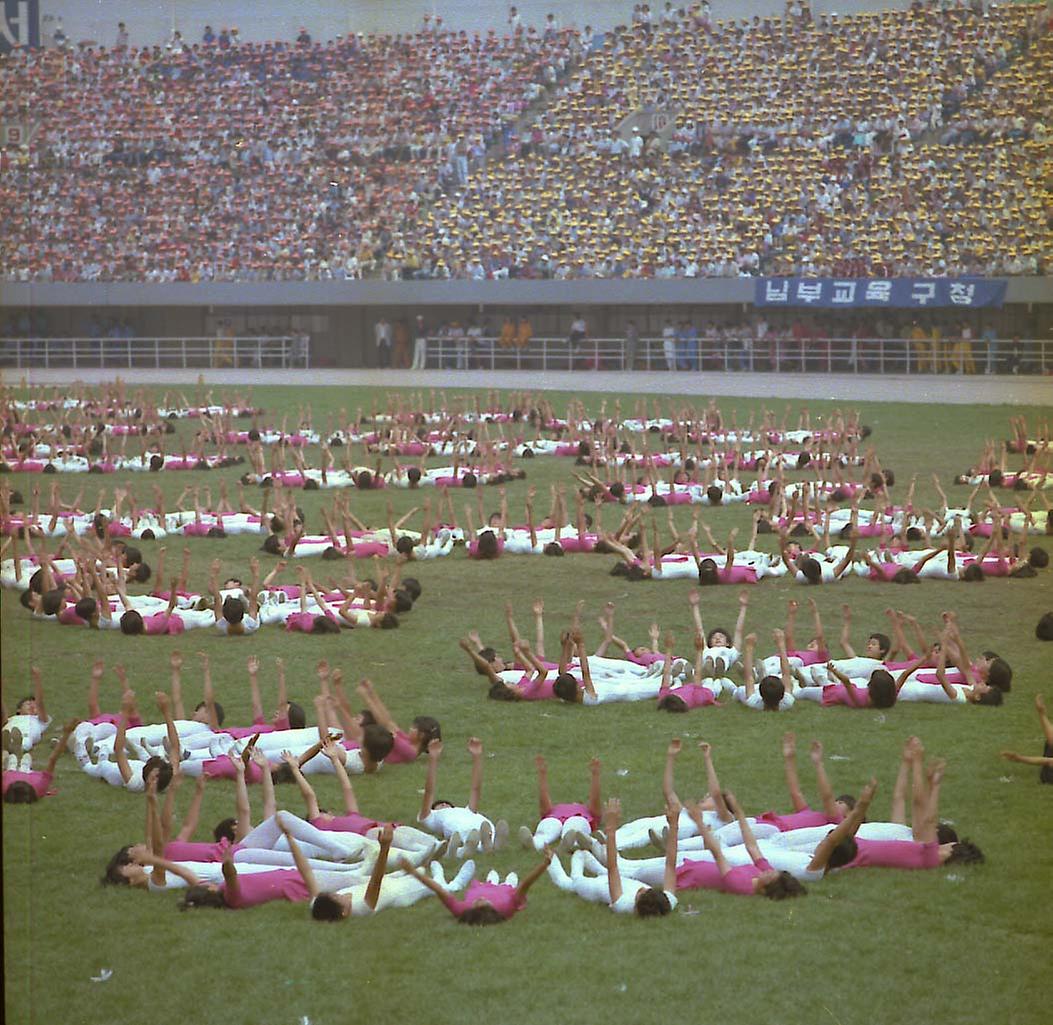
x,y
259,20
339,315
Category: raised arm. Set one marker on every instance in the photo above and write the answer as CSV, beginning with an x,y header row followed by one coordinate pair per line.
x,y
303,865
306,790
789,762
846,828
724,813
846,628
335,753
826,792
749,841
380,866
534,874
612,817
193,811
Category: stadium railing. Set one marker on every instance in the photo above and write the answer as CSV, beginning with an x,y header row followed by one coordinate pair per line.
x,y
833,355
275,351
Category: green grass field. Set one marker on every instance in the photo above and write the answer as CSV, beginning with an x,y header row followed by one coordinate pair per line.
x,y
963,944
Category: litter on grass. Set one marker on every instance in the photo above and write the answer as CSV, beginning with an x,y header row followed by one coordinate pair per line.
x,y
105,974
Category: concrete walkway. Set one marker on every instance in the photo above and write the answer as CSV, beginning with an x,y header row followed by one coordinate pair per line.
x,y
979,390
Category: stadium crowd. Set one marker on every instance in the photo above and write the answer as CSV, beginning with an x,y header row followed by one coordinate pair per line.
x,y
897,142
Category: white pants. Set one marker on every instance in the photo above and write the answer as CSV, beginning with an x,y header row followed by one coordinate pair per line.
x,y
550,829
594,888
420,353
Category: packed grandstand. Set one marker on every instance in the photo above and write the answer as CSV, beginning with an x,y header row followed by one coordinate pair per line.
x,y
900,142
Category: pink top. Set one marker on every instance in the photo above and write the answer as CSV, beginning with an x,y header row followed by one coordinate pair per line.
x,y
809,657
163,623
115,720
837,694
263,887
301,621
738,575
403,751
186,850
798,820
197,529
39,781
758,497
886,570
648,658
694,695
697,875
501,897
352,822
537,690
68,617
952,676
895,854
258,726
223,768
562,812
579,544
740,878
367,549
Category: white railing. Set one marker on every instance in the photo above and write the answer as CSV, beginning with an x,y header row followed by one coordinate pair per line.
x,y
281,351
833,355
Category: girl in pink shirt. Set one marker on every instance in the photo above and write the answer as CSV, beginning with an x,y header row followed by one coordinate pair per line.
x,y
486,903
757,879
21,785
834,809
556,820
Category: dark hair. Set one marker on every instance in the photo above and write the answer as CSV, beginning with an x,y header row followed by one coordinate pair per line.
x,y
141,573
429,729
843,853
946,833
282,773
993,698
553,548
272,545
803,459
233,609
714,494
712,633
388,621
364,479
772,691
995,478
469,480
905,575
202,897
617,489
295,714
164,771
914,534
310,484
708,574
882,689
157,462
1023,569
413,474
486,545
1000,675
884,644
326,908
377,742
566,688
672,703
484,915
147,535
783,886
412,584
500,691
656,500
86,607
132,623
324,625
487,655
404,545
653,902
20,792
1044,627
51,602
811,570
619,569
847,800
403,600
111,876
972,573
220,713
1038,557
225,829
800,529
965,852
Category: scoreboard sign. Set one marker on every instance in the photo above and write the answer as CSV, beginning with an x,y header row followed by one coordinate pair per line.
x,y
19,24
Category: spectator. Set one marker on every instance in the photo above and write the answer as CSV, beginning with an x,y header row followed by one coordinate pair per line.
x,y
382,338
632,341
420,344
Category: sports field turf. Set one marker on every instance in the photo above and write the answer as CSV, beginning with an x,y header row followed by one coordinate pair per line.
x,y
963,944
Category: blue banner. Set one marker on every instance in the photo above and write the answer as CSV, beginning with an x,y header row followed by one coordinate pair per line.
x,y
19,24
898,293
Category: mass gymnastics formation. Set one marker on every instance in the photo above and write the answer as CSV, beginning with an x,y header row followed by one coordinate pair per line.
x,y
823,509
